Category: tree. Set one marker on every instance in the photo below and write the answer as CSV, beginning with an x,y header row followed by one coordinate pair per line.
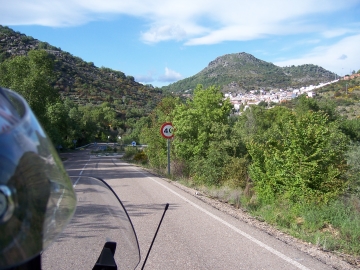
x,y
134,135
303,104
67,121
301,159
58,120
193,121
351,127
202,133
257,120
31,76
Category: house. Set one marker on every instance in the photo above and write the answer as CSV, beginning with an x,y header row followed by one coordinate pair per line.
x,y
311,94
349,77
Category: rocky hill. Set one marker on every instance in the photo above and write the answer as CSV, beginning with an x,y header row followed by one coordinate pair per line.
x,y
82,81
242,72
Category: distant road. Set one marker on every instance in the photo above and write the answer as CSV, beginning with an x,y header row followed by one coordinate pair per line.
x,y
194,235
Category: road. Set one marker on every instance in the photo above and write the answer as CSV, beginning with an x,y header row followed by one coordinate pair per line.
x,y
194,235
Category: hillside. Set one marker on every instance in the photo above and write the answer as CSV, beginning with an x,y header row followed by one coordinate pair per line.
x,y
82,81
345,94
242,72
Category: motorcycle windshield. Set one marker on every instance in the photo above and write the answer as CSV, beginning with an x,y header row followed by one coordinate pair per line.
x,y
37,199
99,217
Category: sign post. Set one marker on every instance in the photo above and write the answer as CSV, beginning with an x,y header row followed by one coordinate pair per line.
x,y
167,131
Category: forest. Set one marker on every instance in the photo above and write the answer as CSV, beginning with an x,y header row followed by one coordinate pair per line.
x,y
64,118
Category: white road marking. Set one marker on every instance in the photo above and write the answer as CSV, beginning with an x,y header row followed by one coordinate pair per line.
x,y
77,180
261,244
81,172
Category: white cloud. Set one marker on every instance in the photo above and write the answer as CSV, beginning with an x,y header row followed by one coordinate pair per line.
x,y
336,32
195,22
341,57
162,33
170,76
38,12
144,78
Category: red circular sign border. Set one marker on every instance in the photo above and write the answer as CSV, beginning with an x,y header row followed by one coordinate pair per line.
x,y
161,130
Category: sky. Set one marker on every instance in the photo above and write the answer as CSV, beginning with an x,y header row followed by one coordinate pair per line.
x,y
162,41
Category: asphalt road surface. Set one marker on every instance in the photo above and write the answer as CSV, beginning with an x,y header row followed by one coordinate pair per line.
x,y
193,235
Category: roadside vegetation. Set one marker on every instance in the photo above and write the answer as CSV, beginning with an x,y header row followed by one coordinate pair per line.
x,y
65,120
294,166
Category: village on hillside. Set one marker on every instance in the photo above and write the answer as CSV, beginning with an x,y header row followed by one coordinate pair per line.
x,y
254,97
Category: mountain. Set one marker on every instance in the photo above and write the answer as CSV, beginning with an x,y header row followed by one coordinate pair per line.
x,y
241,72
83,82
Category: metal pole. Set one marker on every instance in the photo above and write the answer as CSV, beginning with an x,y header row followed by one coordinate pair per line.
x,y
168,155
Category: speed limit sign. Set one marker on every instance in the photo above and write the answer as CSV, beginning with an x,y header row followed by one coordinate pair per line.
x,y
167,130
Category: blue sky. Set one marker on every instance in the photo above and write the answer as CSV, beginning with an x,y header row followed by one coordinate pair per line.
x,y
161,41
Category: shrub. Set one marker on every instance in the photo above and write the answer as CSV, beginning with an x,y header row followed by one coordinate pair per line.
x,y
141,157
235,173
301,160
179,168
204,172
130,152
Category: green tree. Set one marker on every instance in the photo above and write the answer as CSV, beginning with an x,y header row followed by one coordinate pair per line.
x,y
257,120
134,135
301,159
67,122
351,127
194,120
209,167
202,133
58,120
32,77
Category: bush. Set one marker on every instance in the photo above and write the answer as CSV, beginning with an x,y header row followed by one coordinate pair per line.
x,y
179,168
205,173
208,170
235,173
301,160
343,102
141,157
130,152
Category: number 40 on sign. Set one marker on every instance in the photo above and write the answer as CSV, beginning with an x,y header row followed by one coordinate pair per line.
x,y
167,130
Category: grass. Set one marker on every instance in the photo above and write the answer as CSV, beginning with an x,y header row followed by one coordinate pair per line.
x,y
335,227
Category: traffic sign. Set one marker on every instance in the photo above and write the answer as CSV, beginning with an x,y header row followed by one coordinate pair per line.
x,y
167,130
133,143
